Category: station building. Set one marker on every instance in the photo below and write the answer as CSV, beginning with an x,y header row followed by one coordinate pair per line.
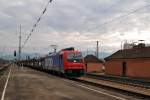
x,y
93,64
134,62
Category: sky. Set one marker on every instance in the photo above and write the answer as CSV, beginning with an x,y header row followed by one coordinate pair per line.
x,y
73,23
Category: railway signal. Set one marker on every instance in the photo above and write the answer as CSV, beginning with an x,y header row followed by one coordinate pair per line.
x,y
15,54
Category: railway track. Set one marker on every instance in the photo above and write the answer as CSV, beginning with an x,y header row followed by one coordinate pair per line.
x,y
123,89
123,80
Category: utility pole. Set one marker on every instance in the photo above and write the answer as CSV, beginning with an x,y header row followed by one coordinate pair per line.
x,y
19,45
87,52
97,49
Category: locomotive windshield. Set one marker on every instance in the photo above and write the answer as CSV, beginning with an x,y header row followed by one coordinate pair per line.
x,y
75,57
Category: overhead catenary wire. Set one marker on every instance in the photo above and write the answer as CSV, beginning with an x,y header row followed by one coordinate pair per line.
x,y
105,10
120,17
35,25
98,26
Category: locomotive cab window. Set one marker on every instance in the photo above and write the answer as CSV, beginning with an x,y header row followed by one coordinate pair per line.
x,y
74,57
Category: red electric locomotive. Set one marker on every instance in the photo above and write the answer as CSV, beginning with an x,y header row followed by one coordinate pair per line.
x,y
73,62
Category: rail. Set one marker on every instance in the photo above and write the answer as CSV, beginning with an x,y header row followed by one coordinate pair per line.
x,y
113,88
123,80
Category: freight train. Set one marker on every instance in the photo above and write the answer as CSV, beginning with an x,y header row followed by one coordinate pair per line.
x,y
68,62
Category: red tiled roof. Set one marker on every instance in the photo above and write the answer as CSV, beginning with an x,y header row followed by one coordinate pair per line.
x,y
131,53
92,59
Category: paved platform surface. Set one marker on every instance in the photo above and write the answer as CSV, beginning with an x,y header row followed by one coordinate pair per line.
x,y
29,84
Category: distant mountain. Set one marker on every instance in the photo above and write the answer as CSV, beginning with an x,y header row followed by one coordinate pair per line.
x,y
9,56
2,61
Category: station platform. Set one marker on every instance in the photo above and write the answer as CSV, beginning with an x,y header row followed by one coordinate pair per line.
x,y
28,84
